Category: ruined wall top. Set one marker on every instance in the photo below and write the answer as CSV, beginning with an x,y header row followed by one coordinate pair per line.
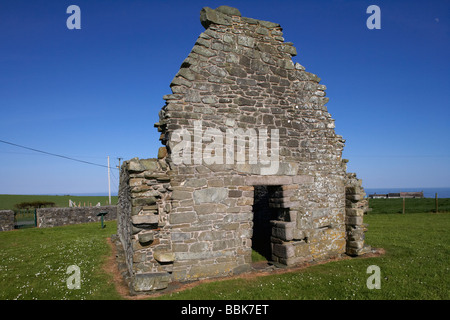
x,y
224,15
240,75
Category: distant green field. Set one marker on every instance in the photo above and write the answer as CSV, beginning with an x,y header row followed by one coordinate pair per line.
x,y
7,201
34,263
411,205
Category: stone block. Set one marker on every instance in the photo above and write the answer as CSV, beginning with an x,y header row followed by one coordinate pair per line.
x,y
181,195
202,271
138,191
283,250
150,164
210,195
354,212
146,237
301,249
145,219
134,165
357,252
245,201
162,152
354,220
355,233
359,244
196,183
268,180
200,255
234,193
200,246
164,257
182,217
288,168
283,230
303,179
144,192
180,236
248,168
215,182
134,182
229,11
243,268
150,281
204,208
201,51
354,197
246,41
211,235
210,16
139,202
136,210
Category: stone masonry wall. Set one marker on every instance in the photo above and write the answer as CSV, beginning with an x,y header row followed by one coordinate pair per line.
x,y
6,220
53,217
190,213
356,207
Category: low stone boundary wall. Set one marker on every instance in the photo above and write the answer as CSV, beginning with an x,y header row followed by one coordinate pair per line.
x,y
53,217
6,220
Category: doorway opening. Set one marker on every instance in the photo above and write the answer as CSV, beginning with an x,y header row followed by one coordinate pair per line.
x,y
264,212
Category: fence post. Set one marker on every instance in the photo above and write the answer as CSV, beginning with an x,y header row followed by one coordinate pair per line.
x,y
437,203
404,205
35,217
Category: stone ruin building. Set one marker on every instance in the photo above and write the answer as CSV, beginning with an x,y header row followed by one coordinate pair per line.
x,y
250,160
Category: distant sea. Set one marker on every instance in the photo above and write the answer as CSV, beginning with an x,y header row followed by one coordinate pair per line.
x,y
95,194
427,192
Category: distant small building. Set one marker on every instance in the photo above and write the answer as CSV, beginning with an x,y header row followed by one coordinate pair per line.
x,y
378,196
411,194
395,195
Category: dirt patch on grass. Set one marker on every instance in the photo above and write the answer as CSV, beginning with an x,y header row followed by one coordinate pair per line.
x,y
112,268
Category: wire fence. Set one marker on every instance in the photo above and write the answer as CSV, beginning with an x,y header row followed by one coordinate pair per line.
x,y
406,205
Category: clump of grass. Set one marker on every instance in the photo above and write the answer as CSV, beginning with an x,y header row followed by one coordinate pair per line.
x,y
257,257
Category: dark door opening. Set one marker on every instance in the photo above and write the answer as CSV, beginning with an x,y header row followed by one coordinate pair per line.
x,y
262,215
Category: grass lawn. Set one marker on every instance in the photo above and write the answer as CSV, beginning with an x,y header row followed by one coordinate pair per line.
x,y
33,265
34,262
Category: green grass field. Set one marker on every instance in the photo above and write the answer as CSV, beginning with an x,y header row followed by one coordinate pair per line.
x,y
411,205
33,265
7,201
34,262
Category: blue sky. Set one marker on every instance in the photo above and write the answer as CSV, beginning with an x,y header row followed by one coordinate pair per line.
x,y
74,92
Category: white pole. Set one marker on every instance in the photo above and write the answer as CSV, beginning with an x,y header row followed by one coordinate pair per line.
x,y
109,183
